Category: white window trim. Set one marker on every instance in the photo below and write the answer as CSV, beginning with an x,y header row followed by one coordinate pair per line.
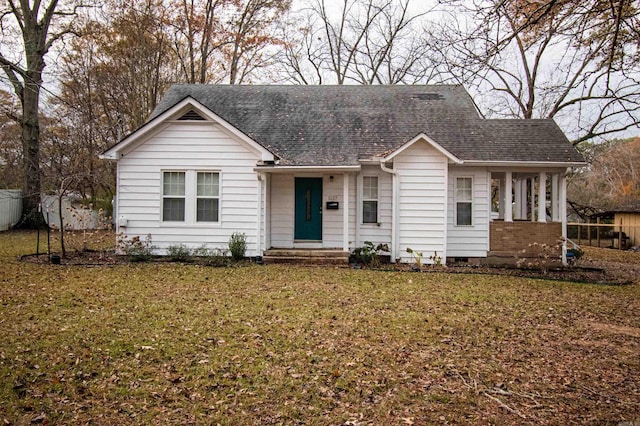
x,y
363,199
190,195
162,197
456,201
197,197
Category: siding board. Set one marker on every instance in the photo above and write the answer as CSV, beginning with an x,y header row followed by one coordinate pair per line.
x,y
422,173
372,232
190,146
469,241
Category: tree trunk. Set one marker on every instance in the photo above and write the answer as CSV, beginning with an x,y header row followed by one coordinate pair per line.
x,y
31,156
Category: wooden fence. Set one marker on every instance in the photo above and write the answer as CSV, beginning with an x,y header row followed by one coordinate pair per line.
x,y
609,235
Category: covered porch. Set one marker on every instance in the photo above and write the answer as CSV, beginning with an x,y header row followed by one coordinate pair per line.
x,y
528,212
308,212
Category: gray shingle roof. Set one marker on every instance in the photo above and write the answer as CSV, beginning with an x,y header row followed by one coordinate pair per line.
x,y
340,125
528,140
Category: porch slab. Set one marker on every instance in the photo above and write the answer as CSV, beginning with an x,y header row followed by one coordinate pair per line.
x,y
334,257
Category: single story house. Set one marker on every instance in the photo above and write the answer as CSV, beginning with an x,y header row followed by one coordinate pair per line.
x,y
330,167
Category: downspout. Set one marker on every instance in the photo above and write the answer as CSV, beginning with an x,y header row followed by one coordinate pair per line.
x,y
394,208
563,214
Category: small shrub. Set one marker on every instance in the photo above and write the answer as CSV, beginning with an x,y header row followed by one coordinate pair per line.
x,y
238,245
417,257
436,258
216,258
179,253
539,256
577,253
136,249
369,254
201,251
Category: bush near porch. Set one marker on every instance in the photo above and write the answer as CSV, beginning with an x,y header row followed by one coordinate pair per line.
x,y
172,344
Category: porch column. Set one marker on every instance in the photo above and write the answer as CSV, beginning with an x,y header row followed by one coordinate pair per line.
x,y
508,201
562,200
345,212
542,197
532,205
501,205
555,202
518,199
523,198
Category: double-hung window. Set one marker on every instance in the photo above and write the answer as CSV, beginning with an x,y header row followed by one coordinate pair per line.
x,y
173,196
464,201
207,196
370,199
190,196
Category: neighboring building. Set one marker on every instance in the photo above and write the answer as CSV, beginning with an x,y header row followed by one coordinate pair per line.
x,y
625,219
330,167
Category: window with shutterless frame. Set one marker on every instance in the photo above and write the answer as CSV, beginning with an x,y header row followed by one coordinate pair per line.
x,y
191,196
173,196
207,196
369,199
464,201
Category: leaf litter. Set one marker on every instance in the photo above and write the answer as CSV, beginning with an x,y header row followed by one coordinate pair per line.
x,y
164,343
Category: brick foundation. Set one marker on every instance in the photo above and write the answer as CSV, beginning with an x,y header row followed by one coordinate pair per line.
x,y
516,236
510,241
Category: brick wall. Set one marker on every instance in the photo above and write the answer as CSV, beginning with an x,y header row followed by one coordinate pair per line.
x,y
514,237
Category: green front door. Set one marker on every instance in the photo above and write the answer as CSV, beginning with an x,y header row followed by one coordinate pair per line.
x,y
308,219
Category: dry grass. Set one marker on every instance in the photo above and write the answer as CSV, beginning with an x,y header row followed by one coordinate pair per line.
x,y
174,344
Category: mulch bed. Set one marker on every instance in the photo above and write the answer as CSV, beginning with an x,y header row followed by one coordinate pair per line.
x,y
79,258
580,274
607,273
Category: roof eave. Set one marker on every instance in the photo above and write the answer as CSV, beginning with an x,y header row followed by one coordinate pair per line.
x,y
307,168
118,150
536,164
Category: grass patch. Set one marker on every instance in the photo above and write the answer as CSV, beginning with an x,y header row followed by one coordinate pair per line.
x,y
166,343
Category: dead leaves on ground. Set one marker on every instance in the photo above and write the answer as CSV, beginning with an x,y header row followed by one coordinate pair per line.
x,y
159,343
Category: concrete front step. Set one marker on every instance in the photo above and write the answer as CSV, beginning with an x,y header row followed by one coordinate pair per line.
x,y
306,256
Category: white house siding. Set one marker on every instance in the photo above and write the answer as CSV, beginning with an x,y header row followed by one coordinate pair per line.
x,y
353,210
333,220
282,210
189,147
469,241
422,172
380,232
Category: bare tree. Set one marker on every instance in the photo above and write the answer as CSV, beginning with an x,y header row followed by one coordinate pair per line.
x,y
612,179
364,41
225,39
548,60
10,145
110,80
38,25
197,35
252,31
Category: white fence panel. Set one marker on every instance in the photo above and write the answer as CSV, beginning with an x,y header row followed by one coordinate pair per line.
x,y
75,218
10,208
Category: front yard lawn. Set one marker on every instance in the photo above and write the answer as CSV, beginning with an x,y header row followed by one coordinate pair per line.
x,y
162,343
